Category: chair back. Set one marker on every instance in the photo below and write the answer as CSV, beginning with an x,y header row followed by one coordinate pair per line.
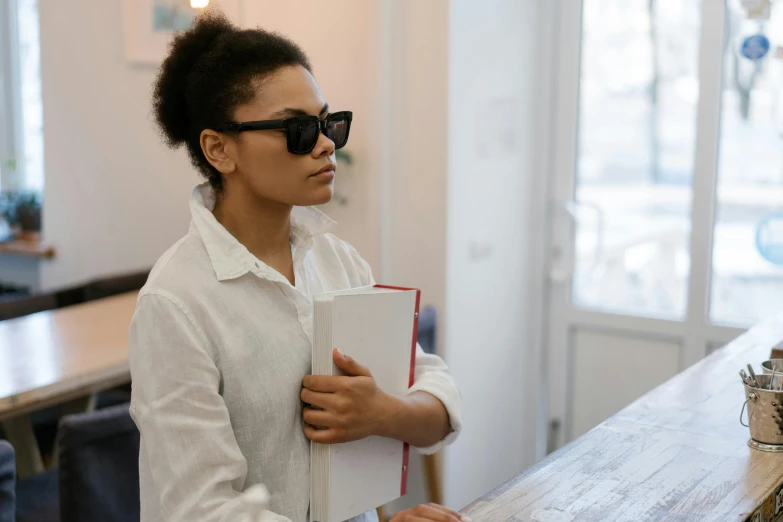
x,y
99,466
7,482
428,318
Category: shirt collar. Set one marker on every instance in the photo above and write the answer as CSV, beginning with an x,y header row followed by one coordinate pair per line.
x,y
230,259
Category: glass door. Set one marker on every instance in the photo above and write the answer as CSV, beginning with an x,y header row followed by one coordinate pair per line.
x,y
633,179
666,199
747,261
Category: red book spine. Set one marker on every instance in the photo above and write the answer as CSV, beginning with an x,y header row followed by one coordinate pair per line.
x,y
406,446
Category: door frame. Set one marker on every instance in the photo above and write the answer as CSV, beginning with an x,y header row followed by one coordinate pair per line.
x,y
694,332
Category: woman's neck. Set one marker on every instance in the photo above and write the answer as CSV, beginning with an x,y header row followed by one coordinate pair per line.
x,y
262,226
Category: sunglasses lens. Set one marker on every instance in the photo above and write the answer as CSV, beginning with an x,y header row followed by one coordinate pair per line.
x,y
337,130
302,136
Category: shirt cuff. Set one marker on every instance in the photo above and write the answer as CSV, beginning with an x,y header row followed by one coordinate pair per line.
x,y
256,500
442,387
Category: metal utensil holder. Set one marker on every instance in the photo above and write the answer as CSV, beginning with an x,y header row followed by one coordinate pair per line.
x,y
765,414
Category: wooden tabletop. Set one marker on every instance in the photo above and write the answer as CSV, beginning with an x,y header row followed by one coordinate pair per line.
x,y
678,453
52,357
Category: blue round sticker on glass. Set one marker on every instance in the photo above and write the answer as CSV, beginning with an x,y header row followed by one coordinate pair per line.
x,y
769,238
755,47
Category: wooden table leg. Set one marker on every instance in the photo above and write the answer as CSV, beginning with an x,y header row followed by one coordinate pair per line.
x,y
432,476
19,431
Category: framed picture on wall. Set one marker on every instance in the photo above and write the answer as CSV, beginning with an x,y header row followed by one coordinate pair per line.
x,y
150,24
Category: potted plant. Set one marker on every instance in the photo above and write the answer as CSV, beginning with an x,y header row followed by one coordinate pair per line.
x,y
28,214
22,211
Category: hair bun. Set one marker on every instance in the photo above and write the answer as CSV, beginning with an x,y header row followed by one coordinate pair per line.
x,y
211,69
169,97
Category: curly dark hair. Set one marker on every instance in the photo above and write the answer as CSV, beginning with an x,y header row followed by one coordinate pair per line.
x,y
211,69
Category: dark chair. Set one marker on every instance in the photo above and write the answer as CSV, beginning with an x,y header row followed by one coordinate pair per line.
x,y
14,307
99,466
428,319
38,498
7,482
109,286
30,499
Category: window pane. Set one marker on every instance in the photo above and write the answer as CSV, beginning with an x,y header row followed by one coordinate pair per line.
x,y
639,94
747,280
32,106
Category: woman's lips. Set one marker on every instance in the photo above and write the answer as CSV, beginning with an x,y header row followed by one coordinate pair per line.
x,y
326,175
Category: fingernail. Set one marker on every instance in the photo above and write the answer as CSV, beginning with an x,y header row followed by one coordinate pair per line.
x,y
466,519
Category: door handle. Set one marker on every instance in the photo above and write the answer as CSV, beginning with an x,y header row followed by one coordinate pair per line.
x,y
565,250
598,255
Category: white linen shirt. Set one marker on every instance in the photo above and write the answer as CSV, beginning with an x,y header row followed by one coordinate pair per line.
x,y
219,345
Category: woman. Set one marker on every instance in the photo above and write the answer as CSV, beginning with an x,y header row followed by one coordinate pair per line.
x,y
221,339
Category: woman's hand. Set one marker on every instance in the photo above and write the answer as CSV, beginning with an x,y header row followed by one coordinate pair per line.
x,y
345,408
429,513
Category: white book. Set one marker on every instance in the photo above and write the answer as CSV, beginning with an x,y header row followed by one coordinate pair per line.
x,y
377,327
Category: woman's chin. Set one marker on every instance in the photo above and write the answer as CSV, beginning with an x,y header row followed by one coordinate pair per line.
x,y
321,196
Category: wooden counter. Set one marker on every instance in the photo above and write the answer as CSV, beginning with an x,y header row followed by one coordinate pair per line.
x,y
678,453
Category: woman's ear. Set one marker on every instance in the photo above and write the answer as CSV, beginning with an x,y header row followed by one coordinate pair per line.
x,y
218,150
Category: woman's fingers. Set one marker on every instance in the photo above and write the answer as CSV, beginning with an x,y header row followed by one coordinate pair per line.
x,y
324,436
319,418
439,513
323,383
349,365
326,401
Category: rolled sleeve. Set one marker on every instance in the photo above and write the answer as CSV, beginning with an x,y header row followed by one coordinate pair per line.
x,y
431,376
197,469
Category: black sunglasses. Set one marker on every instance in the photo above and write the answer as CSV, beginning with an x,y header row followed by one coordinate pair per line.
x,y
302,131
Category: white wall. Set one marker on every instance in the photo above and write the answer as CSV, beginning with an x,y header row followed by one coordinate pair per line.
x,y
419,119
417,116
115,196
492,157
